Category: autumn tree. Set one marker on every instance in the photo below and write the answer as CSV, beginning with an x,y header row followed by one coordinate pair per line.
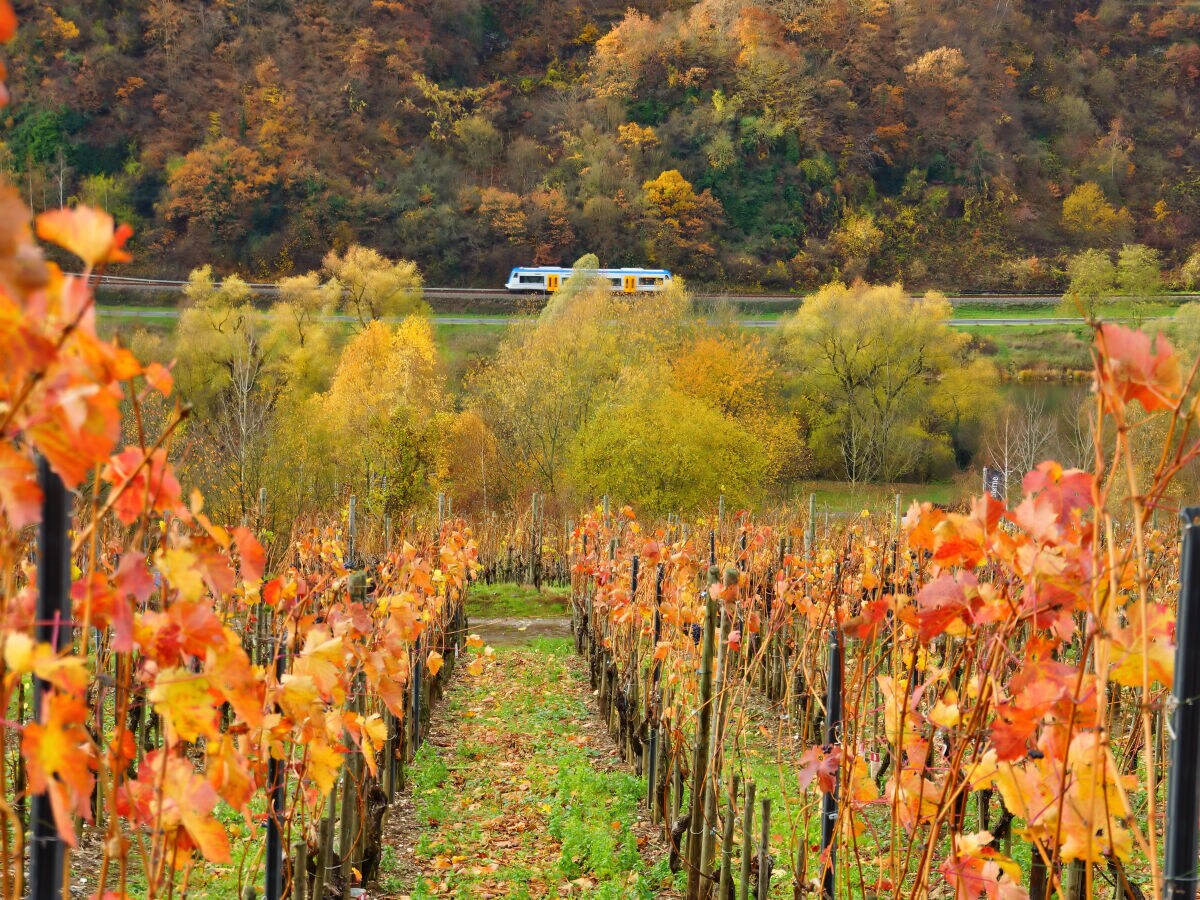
x,y
737,375
681,221
232,369
382,416
1095,279
218,186
858,239
373,286
1088,215
665,451
870,362
547,375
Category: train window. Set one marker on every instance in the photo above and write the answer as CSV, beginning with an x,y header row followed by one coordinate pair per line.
x,y
529,279
647,280
616,282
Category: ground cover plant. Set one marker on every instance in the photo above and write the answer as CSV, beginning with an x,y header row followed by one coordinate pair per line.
x,y
518,795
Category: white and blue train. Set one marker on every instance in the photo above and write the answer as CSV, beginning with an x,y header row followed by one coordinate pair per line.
x,y
548,279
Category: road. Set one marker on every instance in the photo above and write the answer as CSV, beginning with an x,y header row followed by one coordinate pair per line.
x,y
500,321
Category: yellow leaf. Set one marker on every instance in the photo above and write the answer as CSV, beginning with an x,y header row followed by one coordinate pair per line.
x,y
18,653
297,696
324,762
186,704
178,568
88,233
434,663
476,666
945,713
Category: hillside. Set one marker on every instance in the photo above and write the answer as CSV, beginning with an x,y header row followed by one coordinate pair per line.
x,y
962,143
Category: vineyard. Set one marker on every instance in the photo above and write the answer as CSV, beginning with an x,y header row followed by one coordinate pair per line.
x,y
989,700
959,703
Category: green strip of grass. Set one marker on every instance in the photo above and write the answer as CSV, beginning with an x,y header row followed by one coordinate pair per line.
x,y
517,601
524,799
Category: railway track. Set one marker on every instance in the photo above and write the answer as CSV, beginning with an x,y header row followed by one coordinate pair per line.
x,y
127,284
497,321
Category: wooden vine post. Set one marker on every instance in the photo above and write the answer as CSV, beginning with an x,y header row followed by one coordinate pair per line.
x,y
764,852
716,750
697,825
653,704
747,842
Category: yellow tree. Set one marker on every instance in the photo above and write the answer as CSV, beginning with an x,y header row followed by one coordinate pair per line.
x,y
681,222
736,375
665,451
373,286
232,369
1087,214
551,371
384,414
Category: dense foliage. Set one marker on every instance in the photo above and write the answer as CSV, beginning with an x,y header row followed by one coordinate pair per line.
x,y
767,142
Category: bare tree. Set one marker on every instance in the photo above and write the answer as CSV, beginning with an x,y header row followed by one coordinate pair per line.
x,y
1022,436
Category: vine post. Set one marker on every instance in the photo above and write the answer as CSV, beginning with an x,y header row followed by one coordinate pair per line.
x,y
47,851
1180,875
697,825
276,789
829,801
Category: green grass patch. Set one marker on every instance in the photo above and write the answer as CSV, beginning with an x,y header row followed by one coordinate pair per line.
x,y
841,498
517,601
520,798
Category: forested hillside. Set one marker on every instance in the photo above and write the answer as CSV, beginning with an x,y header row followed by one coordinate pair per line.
x,y
959,143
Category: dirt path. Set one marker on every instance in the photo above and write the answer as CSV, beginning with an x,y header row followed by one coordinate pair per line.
x,y
519,791
520,631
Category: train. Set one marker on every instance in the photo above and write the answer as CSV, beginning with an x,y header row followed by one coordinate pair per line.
x,y
548,279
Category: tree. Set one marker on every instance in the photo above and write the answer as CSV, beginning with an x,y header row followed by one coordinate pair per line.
x,y
1088,215
218,186
304,300
481,142
384,414
1020,436
681,221
471,460
540,387
869,360
373,286
859,239
664,451
551,372
1093,280
1189,272
1139,272
550,224
230,368
504,214
737,376
1185,327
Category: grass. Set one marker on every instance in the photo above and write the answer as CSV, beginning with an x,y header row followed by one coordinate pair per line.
x,y
1119,309
841,498
1021,348
518,800
517,601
